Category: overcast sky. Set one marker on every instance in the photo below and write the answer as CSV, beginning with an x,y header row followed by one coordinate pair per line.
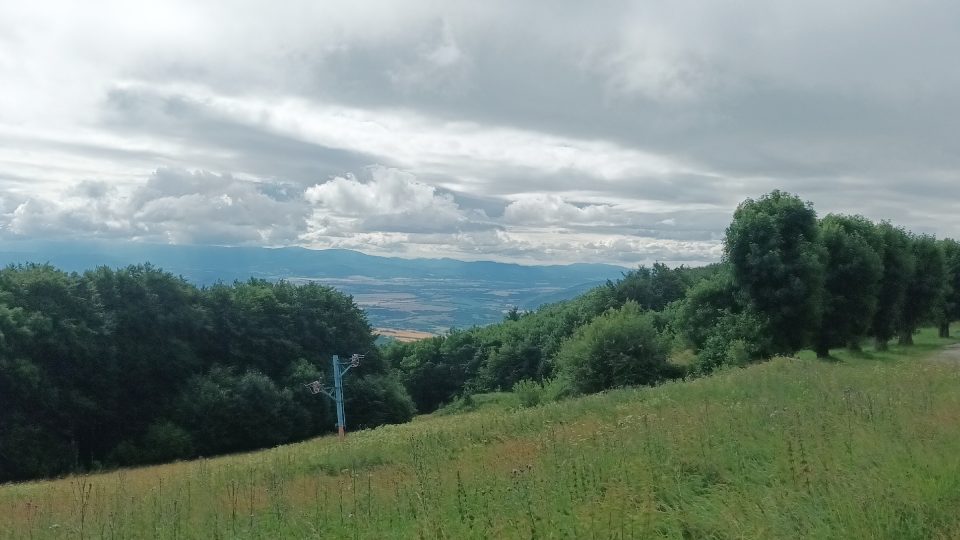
x,y
534,132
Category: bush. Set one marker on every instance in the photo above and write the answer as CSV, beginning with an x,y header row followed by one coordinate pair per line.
x,y
619,348
372,400
556,389
228,412
165,441
734,340
528,392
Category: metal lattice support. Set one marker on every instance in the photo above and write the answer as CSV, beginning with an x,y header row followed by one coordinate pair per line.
x,y
340,368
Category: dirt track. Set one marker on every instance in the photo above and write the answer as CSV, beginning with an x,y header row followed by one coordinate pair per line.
x,y
950,354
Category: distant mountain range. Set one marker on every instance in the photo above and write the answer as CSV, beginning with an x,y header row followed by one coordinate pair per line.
x,y
429,295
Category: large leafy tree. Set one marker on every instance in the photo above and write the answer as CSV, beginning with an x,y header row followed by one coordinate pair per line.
x,y
926,287
778,267
653,288
431,377
705,305
950,310
896,256
851,281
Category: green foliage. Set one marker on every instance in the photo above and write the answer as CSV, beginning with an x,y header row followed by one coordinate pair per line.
x,y
950,309
532,393
135,365
230,412
528,392
525,345
706,304
853,272
377,399
487,401
437,370
736,338
163,441
778,267
653,288
898,267
926,287
556,388
619,348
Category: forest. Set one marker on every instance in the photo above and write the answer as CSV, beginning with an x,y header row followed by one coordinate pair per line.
x,y
130,366
118,367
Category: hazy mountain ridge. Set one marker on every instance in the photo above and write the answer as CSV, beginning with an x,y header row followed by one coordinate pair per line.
x,y
416,294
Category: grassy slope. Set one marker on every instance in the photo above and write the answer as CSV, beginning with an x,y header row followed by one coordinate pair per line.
x,y
865,447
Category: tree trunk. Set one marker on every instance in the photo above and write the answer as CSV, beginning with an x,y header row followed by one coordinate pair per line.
x,y
881,345
945,329
906,338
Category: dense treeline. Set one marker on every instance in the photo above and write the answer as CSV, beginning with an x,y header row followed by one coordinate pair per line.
x,y
529,345
789,280
116,367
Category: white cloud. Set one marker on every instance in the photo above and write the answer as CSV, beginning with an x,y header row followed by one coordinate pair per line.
x,y
172,206
389,191
391,200
552,209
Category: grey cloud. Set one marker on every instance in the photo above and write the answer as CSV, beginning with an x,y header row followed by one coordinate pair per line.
x,y
774,95
93,189
251,148
852,105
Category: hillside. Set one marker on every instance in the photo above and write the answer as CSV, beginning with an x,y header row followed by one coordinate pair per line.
x,y
861,447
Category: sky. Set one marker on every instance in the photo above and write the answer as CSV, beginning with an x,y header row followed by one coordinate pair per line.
x,y
538,132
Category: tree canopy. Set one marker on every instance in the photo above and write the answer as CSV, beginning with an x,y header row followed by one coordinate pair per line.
x,y
116,367
777,265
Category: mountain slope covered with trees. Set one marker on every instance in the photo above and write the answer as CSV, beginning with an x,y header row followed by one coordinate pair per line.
x,y
116,367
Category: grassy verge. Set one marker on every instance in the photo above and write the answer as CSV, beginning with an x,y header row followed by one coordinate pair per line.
x,y
864,447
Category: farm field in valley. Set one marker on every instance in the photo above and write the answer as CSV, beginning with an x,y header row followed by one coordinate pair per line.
x,y
865,446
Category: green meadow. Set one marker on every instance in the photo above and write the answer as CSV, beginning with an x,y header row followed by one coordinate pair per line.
x,y
860,445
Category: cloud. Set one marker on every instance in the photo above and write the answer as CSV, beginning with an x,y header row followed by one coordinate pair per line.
x,y
440,66
390,201
552,209
172,206
520,131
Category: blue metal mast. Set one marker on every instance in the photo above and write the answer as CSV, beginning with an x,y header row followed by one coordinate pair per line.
x,y
340,368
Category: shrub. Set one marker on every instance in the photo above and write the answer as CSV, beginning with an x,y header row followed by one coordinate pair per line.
x,y
556,389
228,412
372,400
619,348
735,340
165,441
528,392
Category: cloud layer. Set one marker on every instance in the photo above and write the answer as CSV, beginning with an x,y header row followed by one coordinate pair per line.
x,y
535,132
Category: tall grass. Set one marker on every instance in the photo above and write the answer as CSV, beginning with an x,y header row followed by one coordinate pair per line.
x,y
867,446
